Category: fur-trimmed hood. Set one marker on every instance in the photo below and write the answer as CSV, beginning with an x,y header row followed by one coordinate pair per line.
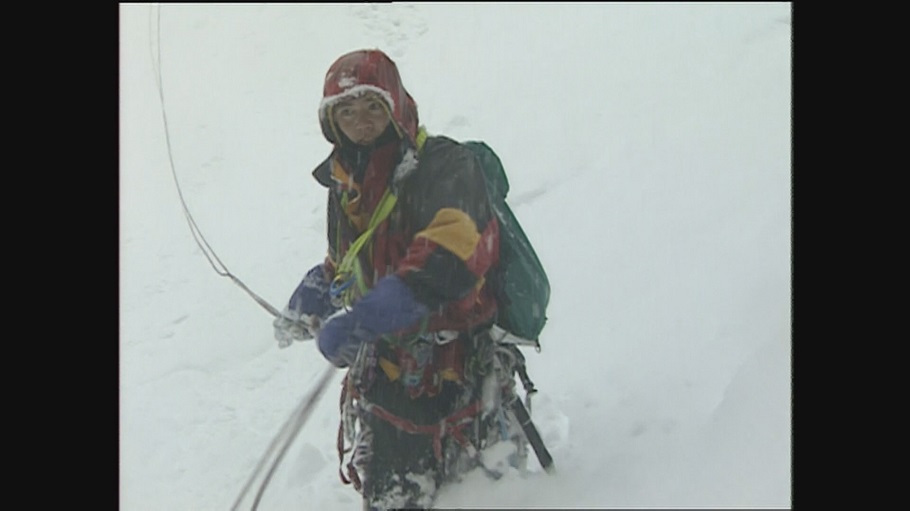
x,y
362,71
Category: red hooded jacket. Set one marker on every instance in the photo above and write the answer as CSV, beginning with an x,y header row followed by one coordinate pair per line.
x,y
442,237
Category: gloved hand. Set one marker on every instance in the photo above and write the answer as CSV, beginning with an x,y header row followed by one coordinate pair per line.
x,y
309,305
290,327
312,294
390,306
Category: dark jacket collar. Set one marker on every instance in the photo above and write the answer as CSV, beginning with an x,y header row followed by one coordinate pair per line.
x,y
323,172
354,155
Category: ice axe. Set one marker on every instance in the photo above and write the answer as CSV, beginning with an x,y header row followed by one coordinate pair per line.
x,y
524,419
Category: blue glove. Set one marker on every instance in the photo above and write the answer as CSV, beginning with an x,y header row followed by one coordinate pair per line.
x,y
306,309
390,306
312,294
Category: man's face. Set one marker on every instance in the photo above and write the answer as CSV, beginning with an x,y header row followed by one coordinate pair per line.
x,y
361,119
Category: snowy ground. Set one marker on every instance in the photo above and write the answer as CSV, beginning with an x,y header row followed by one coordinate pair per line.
x,y
648,151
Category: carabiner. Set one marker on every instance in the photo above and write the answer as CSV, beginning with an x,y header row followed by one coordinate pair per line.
x,y
335,289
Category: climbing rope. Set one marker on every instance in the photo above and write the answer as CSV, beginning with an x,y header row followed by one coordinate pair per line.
x,y
207,250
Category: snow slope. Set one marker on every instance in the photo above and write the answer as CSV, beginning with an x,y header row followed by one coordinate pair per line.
x,y
648,151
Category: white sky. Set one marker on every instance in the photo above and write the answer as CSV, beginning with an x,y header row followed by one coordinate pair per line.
x,y
648,152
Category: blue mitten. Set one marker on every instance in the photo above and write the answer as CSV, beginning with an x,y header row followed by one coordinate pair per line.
x,y
390,306
312,294
309,304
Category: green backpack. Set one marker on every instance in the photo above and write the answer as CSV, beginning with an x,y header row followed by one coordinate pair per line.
x,y
520,282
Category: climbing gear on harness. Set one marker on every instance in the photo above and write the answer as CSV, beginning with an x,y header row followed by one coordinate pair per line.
x,y
423,366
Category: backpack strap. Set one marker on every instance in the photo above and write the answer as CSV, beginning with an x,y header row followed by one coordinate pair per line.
x,y
350,271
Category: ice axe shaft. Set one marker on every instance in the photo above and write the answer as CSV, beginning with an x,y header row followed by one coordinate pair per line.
x,y
533,436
